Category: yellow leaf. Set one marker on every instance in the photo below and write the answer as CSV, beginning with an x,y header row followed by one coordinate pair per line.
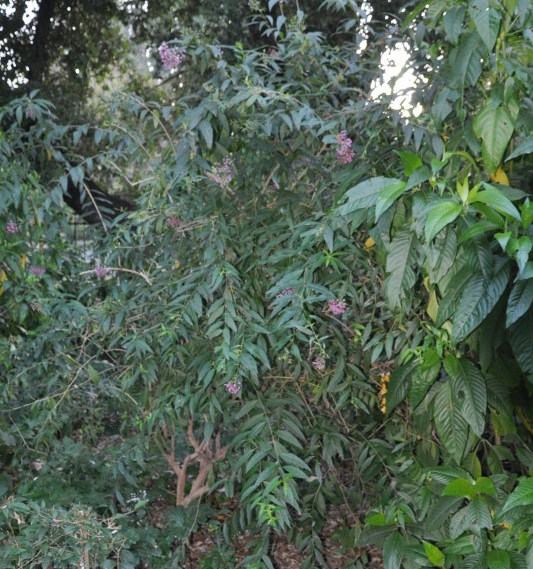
x,y
369,243
3,277
433,305
177,265
500,177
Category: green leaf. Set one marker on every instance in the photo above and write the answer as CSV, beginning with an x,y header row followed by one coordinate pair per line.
x,y
434,554
525,147
522,341
478,514
494,198
452,294
498,559
519,301
476,229
393,551
450,422
423,377
487,21
441,255
484,485
468,385
365,194
522,495
477,301
441,215
465,62
453,23
495,127
460,487
398,385
388,196
207,132
377,519
410,161
399,266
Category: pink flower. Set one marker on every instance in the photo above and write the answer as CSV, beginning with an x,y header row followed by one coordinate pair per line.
x,y
173,222
337,306
222,174
12,227
37,271
285,292
233,387
170,58
345,154
319,363
101,272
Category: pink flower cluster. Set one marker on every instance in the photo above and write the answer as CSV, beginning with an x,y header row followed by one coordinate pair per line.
x,y
173,222
37,271
222,174
319,363
233,387
170,58
345,153
337,306
285,292
101,272
12,227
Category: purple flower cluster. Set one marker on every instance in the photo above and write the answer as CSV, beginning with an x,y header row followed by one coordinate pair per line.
x,y
170,58
101,272
337,306
345,153
285,292
222,174
173,222
37,271
12,227
233,387
319,363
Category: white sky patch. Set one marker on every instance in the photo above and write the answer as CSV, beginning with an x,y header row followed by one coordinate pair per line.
x,y
397,79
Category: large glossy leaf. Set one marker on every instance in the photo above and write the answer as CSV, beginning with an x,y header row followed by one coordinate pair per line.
x,y
522,341
450,422
495,127
498,559
478,299
388,196
399,385
519,301
365,194
525,147
452,294
393,551
468,385
434,554
497,200
440,216
465,61
522,495
423,377
487,21
453,23
399,266
441,255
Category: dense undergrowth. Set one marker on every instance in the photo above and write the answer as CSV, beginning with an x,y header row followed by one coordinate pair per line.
x,y
315,302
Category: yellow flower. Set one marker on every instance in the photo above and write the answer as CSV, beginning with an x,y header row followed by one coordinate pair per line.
x,y
369,243
500,177
23,261
177,265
